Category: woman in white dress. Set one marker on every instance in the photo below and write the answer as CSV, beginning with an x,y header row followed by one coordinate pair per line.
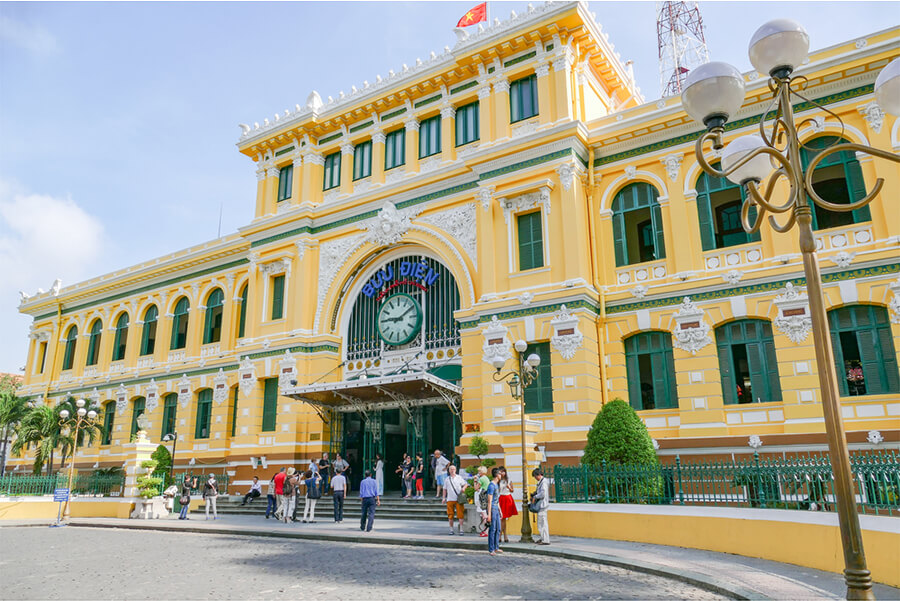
x,y
379,473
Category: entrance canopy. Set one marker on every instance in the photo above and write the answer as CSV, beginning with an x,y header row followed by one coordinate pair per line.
x,y
365,395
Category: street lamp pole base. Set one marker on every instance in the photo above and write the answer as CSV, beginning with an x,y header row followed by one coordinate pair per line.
x,y
526,526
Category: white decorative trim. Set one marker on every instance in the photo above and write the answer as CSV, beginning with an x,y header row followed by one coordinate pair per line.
x,y
332,256
484,196
496,342
272,172
875,437
873,115
843,259
691,332
526,298
247,376
567,172
121,399
459,223
630,172
639,291
183,388
542,69
448,112
501,86
798,324
894,304
220,387
733,277
152,396
347,149
754,442
672,164
389,225
524,202
287,371
567,338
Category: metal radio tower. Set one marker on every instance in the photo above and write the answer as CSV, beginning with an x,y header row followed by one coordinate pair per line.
x,y
682,45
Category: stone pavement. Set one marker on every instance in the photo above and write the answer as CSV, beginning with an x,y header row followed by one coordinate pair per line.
x,y
731,575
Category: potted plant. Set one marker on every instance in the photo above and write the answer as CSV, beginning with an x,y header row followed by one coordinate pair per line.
x,y
152,504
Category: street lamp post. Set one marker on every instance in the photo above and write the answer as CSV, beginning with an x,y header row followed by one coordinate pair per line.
x,y
520,378
173,438
82,416
713,93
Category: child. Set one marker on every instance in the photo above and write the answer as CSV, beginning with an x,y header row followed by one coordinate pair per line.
x,y
480,501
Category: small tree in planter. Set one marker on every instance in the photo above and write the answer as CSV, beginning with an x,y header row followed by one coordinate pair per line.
x,y
618,437
148,488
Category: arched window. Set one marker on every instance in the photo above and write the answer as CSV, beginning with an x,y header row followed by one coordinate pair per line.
x,y
747,362
212,329
170,409
148,337
71,341
93,354
864,353
651,371
637,225
839,180
180,324
242,319
109,418
719,212
204,411
138,407
121,339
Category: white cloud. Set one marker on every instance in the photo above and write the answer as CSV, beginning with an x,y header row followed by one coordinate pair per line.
x,y
41,238
33,38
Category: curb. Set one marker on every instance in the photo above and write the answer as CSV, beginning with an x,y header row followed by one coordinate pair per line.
x,y
697,579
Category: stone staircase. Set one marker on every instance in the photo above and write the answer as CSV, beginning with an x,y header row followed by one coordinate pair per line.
x,y
392,507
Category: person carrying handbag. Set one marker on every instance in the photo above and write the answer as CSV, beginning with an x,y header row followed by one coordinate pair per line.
x,y
540,503
185,498
313,493
455,497
210,494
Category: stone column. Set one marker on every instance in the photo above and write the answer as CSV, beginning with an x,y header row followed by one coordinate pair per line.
x,y
313,165
297,183
501,109
562,66
378,139
347,168
544,83
484,114
271,192
412,144
260,190
448,132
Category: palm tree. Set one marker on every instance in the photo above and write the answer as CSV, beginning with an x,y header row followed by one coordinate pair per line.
x,y
39,429
88,431
12,410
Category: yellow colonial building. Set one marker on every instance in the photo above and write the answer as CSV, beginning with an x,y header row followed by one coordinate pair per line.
x,y
513,187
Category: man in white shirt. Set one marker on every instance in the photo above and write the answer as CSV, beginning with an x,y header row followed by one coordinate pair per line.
x,y
338,490
440,469
455,497
255,491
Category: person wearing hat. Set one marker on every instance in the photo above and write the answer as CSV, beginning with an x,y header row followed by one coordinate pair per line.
x,y
210,493
289,489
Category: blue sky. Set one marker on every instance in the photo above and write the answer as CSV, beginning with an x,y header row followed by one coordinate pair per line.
x,y
118,120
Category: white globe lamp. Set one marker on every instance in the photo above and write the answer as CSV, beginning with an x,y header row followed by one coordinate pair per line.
x,y
779,47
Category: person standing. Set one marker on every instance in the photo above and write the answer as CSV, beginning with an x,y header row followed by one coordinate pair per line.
x,y
279,479
455,498
185,499
409,477
379,473
324,473
289,489
271,503
210,494
493,501
340,466
542,495
507,503
420,476
401,469
440,471
338,490
480,501
313,492
368,492
255,491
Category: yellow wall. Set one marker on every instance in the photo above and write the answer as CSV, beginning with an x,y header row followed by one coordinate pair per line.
x,y
36,509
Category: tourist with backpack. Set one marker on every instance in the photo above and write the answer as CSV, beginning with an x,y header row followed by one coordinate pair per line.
x,y
289,489
313,493
455,497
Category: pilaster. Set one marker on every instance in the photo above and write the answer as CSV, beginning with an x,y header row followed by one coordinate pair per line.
x,y
297,183
378,139
544,84
448,132
271,192
501,109
562,71
313,168
347,168
412,145
485,114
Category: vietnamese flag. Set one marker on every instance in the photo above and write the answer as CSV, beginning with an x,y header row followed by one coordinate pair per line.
x,y
475,15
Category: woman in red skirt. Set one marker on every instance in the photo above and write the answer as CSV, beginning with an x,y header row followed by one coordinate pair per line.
x,y
507,504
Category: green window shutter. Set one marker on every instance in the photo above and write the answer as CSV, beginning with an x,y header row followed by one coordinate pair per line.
x,y
884,342
870,358
523,102
71,341
660,379
242,320
94,343
658,347
834,318
395,149
633,370
212,327
137,409
121,339
430,137
278,297
332,172
771,366
857,188
870,325
180,325
109,417
270,405
671,381
539,396
531,246
362,160
726,366
657,223
170,409
704,216
618,223
285,182
515,102
467,124
148,334
234,410
204,411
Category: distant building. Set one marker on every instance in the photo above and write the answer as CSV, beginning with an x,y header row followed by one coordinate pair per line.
x,y
513,187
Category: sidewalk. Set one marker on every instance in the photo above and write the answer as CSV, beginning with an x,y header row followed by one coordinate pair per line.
x,y
732,575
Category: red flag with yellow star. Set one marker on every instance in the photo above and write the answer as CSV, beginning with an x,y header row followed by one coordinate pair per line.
x,y
474,15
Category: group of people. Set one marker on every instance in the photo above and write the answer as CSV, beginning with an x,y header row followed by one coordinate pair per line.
x,y
284,490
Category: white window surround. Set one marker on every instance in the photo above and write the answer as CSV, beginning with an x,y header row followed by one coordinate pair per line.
x,y
521,199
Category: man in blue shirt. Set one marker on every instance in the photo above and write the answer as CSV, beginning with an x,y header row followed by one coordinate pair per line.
x,y
368,492
493,512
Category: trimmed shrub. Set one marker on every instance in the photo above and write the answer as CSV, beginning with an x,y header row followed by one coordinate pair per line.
x,y
619,437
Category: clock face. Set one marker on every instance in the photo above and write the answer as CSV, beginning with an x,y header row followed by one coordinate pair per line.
x,y
399,319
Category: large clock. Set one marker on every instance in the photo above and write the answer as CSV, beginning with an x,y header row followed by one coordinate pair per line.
x,y
399,319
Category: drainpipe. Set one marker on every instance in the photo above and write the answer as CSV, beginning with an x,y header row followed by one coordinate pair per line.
x,y
595,275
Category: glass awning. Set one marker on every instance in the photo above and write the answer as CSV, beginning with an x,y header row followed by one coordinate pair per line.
x,y
363,395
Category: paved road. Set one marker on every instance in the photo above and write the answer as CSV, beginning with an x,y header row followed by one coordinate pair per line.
x,y
87,563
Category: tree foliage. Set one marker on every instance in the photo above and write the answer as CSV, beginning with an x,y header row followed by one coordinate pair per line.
x,y
619,436
13,409
147,483
478,447
163,458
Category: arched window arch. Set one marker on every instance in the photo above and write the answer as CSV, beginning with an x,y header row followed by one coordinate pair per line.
x,y
637,225
204,413
212,329
121,339
864,354
242,319
747,362
138,406
719,213
109,418
651,371
148,336
170,411
71,342
180,324
839,180
96,332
